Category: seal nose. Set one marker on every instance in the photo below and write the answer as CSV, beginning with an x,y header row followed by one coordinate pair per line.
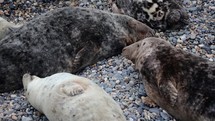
x,y
123,50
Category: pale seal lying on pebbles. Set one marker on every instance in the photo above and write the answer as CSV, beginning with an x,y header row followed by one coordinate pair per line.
x,y
181,83
158,14
67,97
7,27
66,39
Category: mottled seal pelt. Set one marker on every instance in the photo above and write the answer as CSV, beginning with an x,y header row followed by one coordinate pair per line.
x,y
181,83
66,39
67,97
158,14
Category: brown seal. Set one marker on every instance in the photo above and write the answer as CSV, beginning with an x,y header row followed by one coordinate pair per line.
x,y
65,39
178,81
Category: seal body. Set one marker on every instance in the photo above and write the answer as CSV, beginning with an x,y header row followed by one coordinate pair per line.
x,y
181,83
67,97
158,14
6,27
66,39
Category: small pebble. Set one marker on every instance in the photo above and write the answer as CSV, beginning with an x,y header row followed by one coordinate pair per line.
x,y
26,118
14,117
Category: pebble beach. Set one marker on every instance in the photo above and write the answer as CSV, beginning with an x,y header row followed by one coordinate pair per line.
x,y
116,75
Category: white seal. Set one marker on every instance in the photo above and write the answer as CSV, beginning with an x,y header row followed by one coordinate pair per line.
x,y
67,97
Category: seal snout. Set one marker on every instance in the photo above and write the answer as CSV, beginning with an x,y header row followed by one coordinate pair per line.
x,y
151,33
125,52
128,52
26,78
178,18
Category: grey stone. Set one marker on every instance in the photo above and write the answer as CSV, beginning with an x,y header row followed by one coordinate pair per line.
x,y
118,76
183,37
108,90
26,118
131,119
28,111
193,36
192,9
13,96
179,41
195,42
154,110
193,50
201,45
17,107
211,37
212,47
164,115
180,33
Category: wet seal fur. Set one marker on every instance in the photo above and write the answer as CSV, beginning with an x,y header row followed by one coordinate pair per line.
x,y
67,97
7,27
181,83
158,14
65,40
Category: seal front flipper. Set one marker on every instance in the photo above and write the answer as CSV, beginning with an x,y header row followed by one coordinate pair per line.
x,y
148,101
84,57
76,61
169,91
72,90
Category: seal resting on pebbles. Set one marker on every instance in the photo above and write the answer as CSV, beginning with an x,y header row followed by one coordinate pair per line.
x,y
65,40
67,97
158,14
181,83
7,27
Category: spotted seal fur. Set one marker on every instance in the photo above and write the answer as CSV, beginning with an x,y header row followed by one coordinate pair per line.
x,y
67,97
158,14
181,83
65,40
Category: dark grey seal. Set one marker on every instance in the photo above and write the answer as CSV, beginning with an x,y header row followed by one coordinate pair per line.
x,y
65,40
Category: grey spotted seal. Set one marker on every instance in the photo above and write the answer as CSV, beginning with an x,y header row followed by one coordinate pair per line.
x,y
158,14
65,40
181,83
67,97
7,27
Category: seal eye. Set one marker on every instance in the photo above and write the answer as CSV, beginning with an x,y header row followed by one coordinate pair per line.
x,y
138,45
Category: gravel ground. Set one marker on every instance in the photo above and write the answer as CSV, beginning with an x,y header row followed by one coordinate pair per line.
x,y
115,75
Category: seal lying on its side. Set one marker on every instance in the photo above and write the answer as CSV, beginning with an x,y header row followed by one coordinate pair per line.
x,y
7,27
178,81
67,97
158,14
65,39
